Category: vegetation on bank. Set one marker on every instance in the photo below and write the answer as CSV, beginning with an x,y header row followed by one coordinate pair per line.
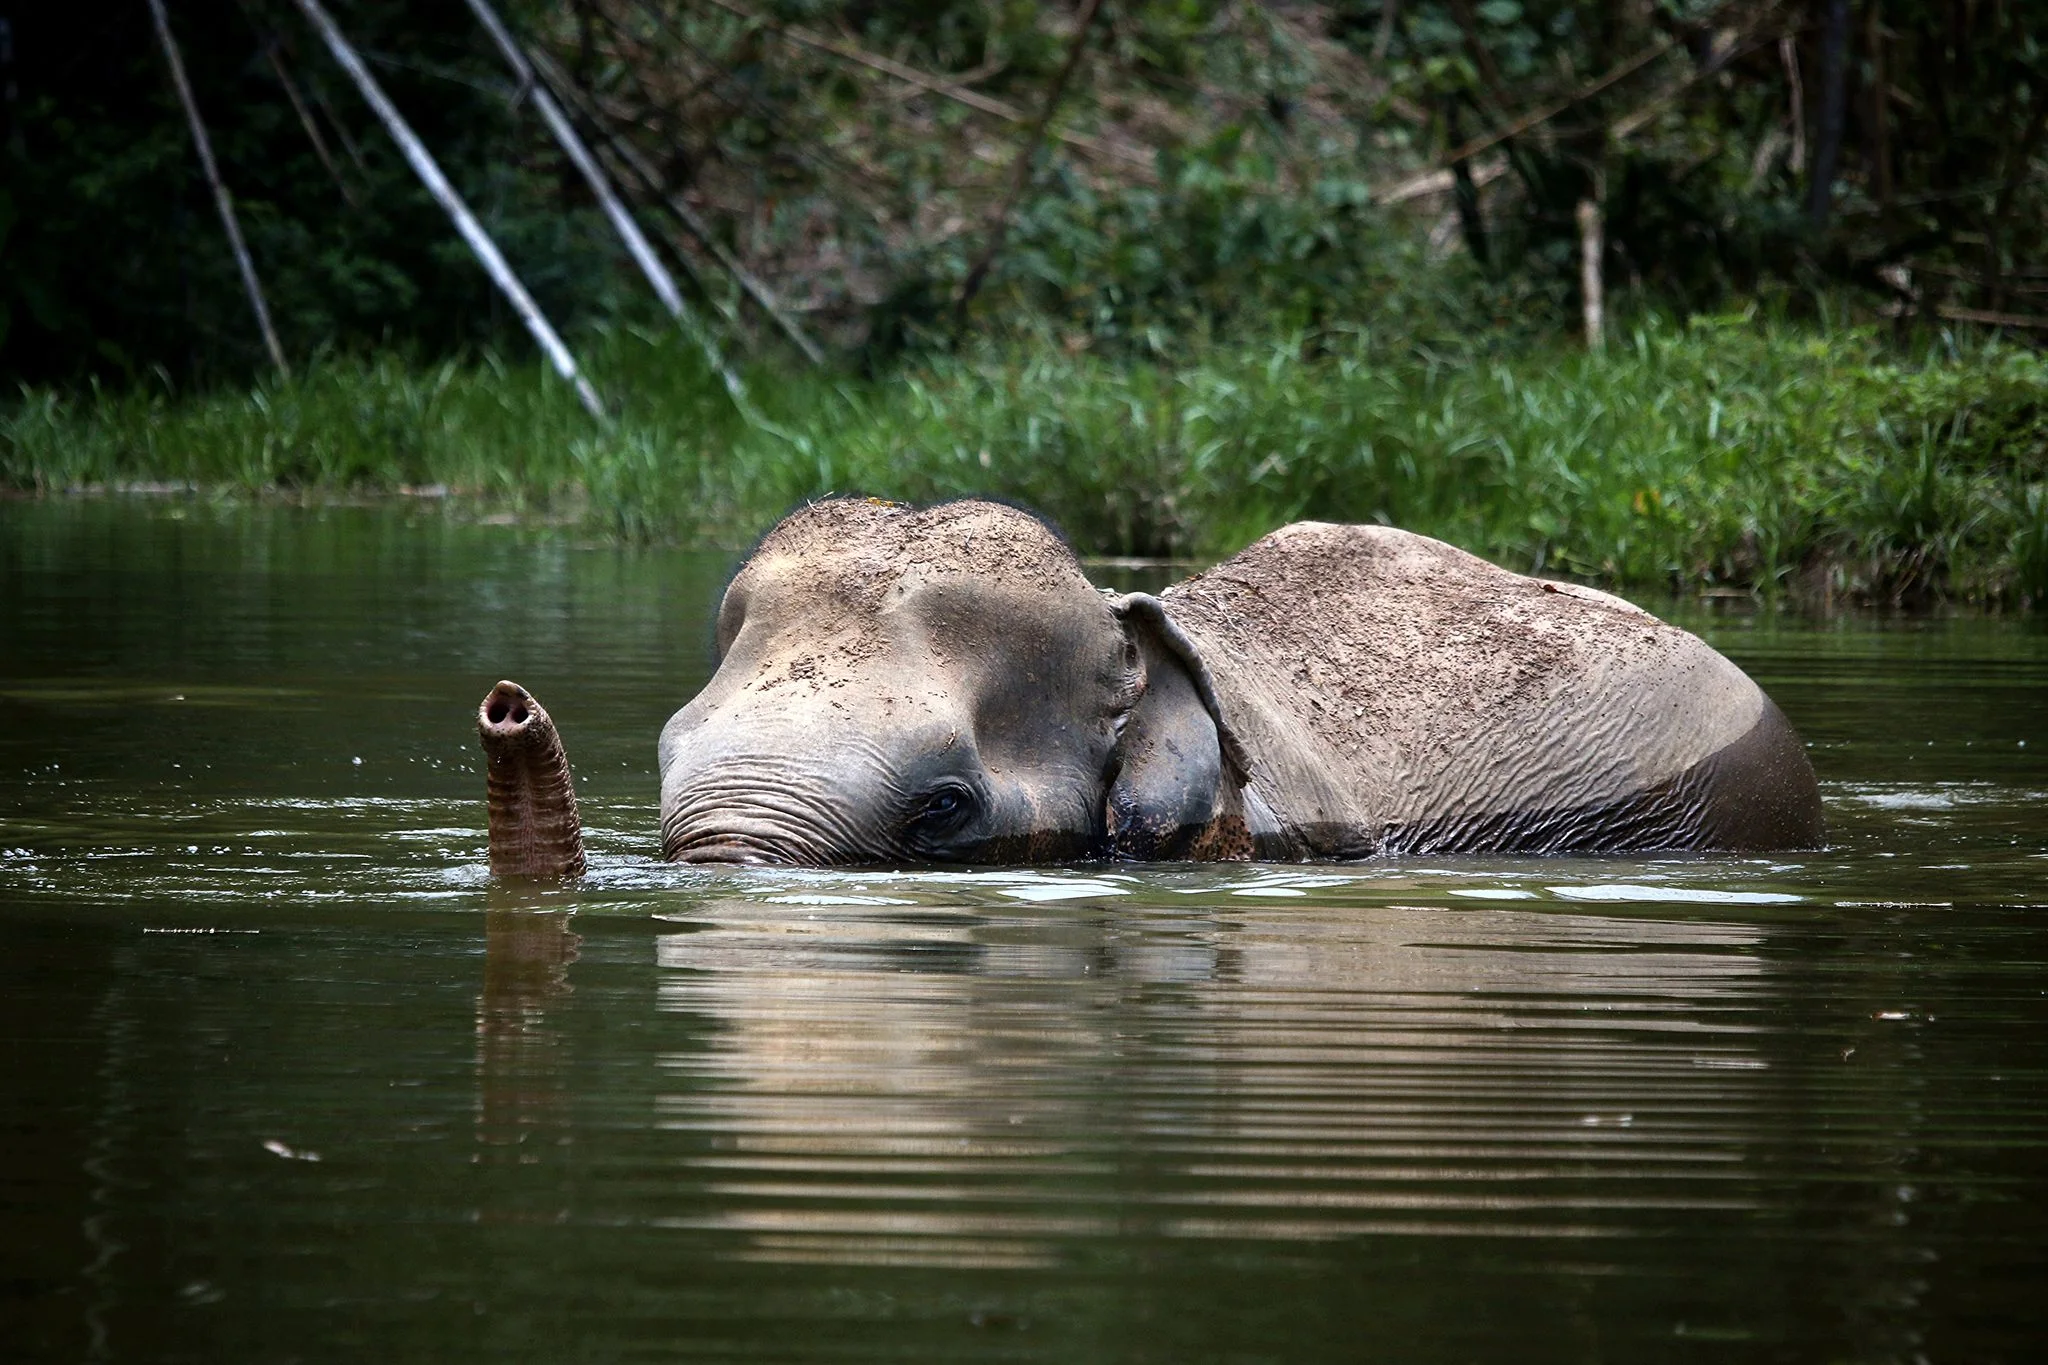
x,y
905,172
1719,453
1170,271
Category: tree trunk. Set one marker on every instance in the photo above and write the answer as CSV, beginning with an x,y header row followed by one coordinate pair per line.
x,y
1592,292
1390,15
1834,85
2012,168
1788,54
1880,113
10,91
1482,58
1465,192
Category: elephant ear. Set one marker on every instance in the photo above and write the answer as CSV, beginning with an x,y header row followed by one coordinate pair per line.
x,y
1176,751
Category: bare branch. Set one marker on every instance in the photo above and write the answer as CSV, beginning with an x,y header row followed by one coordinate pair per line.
x,y
1027,157
691,220
472,232
1441,179
291,92
1545,113
222,200
910,75
635,241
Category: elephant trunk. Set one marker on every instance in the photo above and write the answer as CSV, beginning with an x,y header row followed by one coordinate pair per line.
x,y
535,830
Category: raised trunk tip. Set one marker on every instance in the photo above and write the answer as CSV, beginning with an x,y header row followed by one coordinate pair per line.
x,y
535,829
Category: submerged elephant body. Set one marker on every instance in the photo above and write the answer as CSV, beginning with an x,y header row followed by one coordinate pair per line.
x,y
1414,698
944,684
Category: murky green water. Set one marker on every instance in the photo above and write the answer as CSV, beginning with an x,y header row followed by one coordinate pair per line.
x,y
287,1079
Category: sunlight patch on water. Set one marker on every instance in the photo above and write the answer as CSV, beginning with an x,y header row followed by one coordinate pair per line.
x,y
822,900
1627,891
1932,795
1039,892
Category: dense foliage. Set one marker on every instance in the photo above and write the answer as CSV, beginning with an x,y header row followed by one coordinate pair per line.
x,y
1726,453
1171,270
1210,164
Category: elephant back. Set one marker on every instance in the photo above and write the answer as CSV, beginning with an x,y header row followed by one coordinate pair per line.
x,y
1397,694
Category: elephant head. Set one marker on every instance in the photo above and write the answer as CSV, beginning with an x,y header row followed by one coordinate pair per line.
x,y
944,685
940,685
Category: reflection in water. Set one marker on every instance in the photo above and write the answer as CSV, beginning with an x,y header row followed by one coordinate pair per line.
x,y
1492,1111
521,1079
973,1089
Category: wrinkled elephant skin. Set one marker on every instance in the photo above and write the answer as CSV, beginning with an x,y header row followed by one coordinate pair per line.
x,y
903,685
531,797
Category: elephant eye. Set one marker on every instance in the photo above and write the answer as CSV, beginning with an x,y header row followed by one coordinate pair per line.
x,y
943,807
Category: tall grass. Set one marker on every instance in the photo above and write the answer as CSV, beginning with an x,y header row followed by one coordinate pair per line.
x,y
1724,452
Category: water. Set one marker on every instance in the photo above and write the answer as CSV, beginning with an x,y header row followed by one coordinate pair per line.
x,y
288,1079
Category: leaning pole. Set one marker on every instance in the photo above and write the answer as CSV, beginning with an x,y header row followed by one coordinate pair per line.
x,y
429,172
621,219
222,200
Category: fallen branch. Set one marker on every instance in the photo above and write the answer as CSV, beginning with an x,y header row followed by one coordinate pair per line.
x,y
1718,56
910,75
1027,157
341,133
472,232
1441,182
2012,280
1516,127
1956,313
291,92
1899,280
222,200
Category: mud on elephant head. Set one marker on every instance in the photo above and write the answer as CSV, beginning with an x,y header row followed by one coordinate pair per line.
x,y
903,685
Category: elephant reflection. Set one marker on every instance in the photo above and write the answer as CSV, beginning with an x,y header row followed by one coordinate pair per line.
x,y
982,1088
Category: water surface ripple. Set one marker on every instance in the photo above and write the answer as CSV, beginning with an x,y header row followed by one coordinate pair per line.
x,y
290,1078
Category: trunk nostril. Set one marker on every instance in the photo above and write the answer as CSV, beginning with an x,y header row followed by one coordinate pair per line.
x,y
507,702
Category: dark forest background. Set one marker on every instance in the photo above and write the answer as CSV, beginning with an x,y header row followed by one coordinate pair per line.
x,y
1207,163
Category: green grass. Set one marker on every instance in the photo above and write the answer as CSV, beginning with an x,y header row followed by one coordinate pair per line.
x,y
1727,452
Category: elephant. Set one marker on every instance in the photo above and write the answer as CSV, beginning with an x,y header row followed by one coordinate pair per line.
x,y
906,685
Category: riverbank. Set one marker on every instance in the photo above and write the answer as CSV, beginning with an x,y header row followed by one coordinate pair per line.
x,y
1722,455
